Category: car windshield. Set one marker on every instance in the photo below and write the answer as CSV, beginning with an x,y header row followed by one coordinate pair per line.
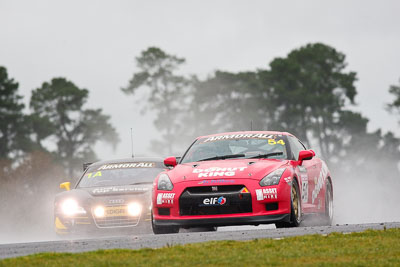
x,y
115,174
237,146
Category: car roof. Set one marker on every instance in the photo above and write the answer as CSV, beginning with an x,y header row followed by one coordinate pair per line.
x,y
129,160
246,132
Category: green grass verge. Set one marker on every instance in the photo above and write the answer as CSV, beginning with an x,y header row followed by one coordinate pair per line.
x,y
372,248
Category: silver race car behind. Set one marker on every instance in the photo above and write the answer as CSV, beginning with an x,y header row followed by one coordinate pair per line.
x,y
111,197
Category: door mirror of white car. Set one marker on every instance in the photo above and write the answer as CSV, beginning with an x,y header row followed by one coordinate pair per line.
x,y
66,186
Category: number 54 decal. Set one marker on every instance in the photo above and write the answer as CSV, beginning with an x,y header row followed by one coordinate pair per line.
x,y
273,142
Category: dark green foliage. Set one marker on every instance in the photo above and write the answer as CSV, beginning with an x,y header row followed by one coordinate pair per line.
x,y
311,90
14,130
58,115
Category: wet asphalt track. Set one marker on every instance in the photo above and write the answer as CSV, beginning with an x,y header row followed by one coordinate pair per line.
x,y
153,241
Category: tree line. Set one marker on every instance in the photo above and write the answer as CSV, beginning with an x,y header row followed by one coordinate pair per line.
x,y
309,93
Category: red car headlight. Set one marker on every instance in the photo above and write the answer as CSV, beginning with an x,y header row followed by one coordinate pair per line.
x,y
164,183
273,178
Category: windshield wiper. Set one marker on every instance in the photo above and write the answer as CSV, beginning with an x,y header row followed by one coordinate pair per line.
x,y
267,155
224,157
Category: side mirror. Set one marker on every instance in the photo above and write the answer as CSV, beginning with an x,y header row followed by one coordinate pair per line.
x,y
312,151
305,155
66,186
170,162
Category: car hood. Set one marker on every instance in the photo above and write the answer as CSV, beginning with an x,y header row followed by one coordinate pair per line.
x,y
225,169
118,190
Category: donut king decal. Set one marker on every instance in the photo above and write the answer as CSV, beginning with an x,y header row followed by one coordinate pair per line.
x,y
165,198
127,165
116,189
266,193
218,172
320,182
241,136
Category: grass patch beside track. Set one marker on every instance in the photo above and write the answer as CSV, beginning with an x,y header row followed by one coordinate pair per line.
x,y
372,248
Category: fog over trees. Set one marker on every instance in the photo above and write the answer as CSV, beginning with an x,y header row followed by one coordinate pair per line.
x,y
166,93
309,93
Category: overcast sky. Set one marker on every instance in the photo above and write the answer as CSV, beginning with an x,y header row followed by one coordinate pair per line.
x,y
93,44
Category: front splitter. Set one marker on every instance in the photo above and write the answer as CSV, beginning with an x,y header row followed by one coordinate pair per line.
x,y
250,220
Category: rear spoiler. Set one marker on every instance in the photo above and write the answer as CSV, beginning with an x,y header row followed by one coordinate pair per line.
x,y
86,165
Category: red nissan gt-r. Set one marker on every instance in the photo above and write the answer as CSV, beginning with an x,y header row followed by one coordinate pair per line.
x,y
242,178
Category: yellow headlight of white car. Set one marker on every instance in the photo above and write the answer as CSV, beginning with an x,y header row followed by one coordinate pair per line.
x,y
134,209
99,211
70,207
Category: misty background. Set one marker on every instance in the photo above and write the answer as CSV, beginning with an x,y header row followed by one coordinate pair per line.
x,y
327,72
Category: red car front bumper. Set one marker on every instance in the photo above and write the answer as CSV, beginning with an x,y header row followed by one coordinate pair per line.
x,y
221,202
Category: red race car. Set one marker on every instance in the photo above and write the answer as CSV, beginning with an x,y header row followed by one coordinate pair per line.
x,y
242,178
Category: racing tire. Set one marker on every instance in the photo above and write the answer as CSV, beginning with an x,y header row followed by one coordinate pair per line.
x,y
159,230
295,208
327,217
